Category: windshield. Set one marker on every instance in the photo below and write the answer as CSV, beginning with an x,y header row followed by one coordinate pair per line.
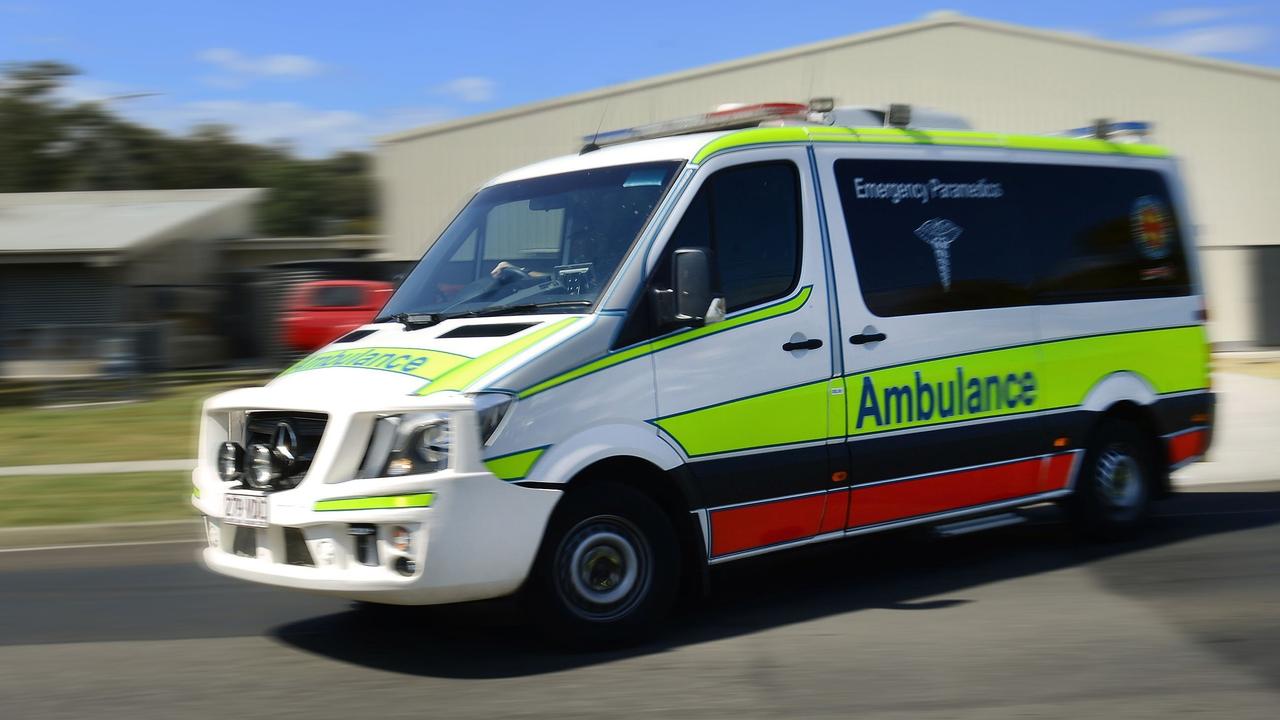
x,y
551,242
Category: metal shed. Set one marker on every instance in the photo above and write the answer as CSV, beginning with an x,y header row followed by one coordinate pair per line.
x,y
1218,117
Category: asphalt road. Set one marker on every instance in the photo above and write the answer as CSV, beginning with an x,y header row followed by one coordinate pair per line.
x,y
1020,622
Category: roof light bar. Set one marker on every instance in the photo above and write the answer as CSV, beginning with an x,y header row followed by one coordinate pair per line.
x,y
1129,131
725,118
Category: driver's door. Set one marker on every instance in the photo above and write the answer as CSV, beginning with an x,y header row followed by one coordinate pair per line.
x,y
748,400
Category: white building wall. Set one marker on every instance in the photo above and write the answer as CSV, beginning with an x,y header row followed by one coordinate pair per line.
x,y
1219,118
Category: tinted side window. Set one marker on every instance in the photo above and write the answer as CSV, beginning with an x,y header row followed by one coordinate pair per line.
x,y
934,237
750,218
1104,234
937,237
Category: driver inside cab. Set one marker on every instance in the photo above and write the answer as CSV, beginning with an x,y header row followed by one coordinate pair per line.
x,y
590,244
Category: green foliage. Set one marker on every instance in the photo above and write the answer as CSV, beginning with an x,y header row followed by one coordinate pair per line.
x,y
64,499
47,144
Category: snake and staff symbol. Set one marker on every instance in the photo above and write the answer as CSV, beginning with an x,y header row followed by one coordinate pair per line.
x,y
939,233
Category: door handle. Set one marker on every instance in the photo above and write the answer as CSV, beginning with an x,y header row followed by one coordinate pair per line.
x,y
813,344
864,338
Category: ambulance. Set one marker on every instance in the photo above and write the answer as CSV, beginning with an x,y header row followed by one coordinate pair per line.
x,y
707,339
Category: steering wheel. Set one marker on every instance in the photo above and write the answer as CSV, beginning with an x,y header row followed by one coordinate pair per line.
x,y
511,274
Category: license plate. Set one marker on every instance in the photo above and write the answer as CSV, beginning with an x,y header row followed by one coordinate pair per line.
x,y
245,509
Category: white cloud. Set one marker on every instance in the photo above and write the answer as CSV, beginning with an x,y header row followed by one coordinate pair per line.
x,y
1194,15
1210,40
472,89
275,66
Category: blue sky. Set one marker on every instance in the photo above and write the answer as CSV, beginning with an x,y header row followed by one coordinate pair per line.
x,y
327,75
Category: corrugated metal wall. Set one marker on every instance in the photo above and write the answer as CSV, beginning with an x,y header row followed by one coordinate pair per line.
x,y
1219,120
40,296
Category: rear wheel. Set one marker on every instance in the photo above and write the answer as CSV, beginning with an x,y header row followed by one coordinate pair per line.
x,y
1113,493
608,568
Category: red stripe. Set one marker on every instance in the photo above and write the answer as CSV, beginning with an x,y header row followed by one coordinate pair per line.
x,y
769,523
836,513
949,491
1057,472
753,526
1186,446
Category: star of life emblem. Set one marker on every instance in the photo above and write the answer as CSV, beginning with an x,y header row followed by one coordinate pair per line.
x,y
939,233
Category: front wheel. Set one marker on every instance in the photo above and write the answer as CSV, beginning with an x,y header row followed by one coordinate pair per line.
x,y
1113,493
608,568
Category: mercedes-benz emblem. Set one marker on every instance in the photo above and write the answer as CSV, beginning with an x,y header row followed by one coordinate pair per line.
x,y
284,441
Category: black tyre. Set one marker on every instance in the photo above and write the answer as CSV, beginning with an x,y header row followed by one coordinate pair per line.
x,y
608,569
1112,498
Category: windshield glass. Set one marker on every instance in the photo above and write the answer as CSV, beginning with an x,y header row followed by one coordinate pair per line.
x,y
553,241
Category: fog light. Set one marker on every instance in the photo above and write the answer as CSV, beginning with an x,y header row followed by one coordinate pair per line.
x,y
401,539
262,467
230,461
399,466
405,566
211,531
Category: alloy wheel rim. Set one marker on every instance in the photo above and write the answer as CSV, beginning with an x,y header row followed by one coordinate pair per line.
x,y
1120,481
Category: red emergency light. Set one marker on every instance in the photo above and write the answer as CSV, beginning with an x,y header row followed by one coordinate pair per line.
x,y
723,118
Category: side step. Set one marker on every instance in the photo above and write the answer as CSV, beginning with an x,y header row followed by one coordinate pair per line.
x,y
987,522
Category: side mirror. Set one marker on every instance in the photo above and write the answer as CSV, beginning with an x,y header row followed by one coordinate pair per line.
x,y
690,300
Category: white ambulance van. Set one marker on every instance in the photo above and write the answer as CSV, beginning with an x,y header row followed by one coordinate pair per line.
x,y
709,339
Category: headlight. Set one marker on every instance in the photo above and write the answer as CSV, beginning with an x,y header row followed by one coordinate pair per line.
x,y
491,408
431,444
263,468
408,445
230,461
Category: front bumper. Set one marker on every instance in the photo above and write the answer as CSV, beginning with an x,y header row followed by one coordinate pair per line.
x,y
477,539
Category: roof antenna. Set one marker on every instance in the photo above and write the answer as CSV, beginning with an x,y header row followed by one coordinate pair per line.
x,y
592,146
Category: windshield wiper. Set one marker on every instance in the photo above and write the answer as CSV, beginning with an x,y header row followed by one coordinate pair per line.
x,y
524,307
417,320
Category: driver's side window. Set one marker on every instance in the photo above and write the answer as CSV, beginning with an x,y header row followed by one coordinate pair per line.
x,y
749,217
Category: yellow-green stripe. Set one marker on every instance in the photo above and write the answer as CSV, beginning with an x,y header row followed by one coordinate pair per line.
x,y
425,364
1170,359
789,305
462,376
820,133
515,466
379,502
784,417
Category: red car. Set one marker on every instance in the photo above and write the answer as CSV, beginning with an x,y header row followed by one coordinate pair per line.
x,y
321,311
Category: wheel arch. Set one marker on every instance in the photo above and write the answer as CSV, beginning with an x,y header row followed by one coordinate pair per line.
x,y
1129,396
672,492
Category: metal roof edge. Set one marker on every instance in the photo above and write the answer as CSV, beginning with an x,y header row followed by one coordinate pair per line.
x,y
105,197
1126,48
934,21
601,93
217,205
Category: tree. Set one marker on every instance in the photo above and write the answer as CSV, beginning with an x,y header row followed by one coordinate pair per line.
x,y
33,130
47,144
